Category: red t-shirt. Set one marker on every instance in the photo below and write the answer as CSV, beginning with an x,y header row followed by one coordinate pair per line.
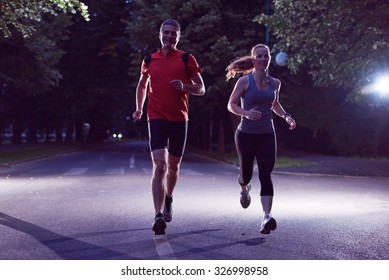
x,y
165,102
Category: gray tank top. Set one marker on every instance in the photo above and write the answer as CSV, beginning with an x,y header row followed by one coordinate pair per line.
x,y
262,100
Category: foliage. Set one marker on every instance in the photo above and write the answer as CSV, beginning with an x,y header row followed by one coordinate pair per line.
x,y
95,81
334,47
329,123
70,71
29,64
20,14
30,55
342,42
28,70
32,32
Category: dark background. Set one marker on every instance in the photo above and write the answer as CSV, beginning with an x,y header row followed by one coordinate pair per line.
x,y
71,71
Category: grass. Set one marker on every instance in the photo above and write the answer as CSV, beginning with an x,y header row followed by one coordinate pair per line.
x,y
231,157
287,162
10,154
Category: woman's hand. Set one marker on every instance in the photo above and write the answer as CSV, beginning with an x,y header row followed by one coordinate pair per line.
x,y
291,122
253,114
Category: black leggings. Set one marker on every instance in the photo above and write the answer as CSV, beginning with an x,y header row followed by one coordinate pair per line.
x,y
263,148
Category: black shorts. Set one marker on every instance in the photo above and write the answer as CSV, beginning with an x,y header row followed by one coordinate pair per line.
x,y
168,134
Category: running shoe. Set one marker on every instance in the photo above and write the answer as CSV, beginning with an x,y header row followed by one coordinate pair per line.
x,y
159,224
245,198
268,224
168,209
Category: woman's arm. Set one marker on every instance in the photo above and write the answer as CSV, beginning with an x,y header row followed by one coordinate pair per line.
x,y
279,110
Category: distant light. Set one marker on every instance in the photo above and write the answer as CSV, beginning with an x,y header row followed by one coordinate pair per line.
x,y
117,136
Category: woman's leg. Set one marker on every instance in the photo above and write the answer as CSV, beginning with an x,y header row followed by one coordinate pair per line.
x,y
246,154
265,156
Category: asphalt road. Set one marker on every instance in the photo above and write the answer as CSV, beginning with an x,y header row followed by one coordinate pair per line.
x,y
96,205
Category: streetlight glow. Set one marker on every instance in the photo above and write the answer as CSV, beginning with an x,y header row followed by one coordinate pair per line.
x,y
379,86
382,85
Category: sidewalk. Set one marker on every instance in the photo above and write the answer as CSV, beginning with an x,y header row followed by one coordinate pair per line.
x,y
332,165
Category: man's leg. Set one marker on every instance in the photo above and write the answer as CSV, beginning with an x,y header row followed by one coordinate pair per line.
x,y
158,179
177,142
173,171
158,182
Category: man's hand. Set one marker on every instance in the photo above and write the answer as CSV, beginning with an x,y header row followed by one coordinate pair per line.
x,y
137,115
177,84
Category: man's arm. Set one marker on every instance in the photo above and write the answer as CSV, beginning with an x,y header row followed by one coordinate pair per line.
x,y
140,96
198,87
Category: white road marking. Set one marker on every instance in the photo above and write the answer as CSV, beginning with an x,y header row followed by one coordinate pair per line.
x,y
75,171
163,248
185,171
121,171
115,171
132,161
147,171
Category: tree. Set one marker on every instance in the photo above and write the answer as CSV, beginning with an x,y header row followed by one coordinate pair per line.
x,y
31,34
29,64
29,57
29,67
17,15
339,45
342,42
95,81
